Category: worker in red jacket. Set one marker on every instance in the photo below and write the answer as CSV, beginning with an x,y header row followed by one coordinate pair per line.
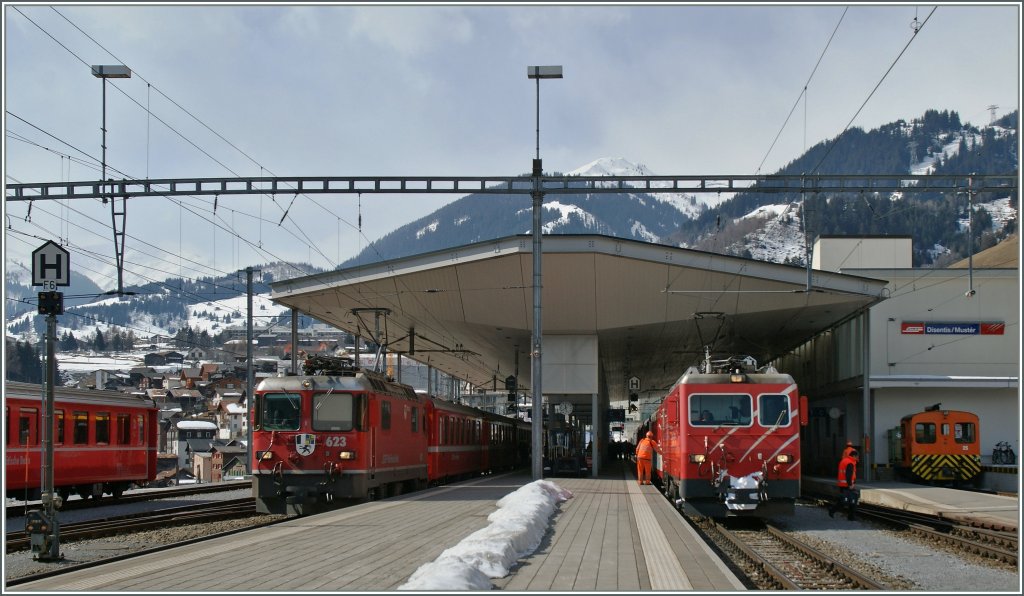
x,y
847,483
644,455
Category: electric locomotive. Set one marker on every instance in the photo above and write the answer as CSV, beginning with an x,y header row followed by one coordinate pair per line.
x,y
104,442
728,436
356,435
937,446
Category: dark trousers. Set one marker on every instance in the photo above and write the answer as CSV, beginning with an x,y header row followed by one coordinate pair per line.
x,y
847,498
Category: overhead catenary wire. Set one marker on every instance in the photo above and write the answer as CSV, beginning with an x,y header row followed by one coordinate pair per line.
x,y
803,94
839,137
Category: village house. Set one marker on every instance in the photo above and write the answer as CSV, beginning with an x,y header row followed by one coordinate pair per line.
x,y
191,436
165,358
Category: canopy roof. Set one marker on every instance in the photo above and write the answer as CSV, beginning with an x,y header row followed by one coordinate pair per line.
x,y
652,307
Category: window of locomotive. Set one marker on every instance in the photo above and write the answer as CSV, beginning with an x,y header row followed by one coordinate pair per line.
x,y
281,411
924,432
720,409
773,409
415,418
103,427
334,411
27,418
964,432
385,414
81,422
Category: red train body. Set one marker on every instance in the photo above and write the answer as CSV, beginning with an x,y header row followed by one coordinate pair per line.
x,y
358,436
103,441
729,441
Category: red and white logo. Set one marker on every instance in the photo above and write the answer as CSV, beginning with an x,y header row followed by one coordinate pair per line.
x,y
912,328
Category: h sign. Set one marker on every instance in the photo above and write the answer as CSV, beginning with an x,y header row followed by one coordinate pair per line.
x,y
51,266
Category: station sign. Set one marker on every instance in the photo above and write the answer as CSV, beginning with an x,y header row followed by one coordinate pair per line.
x,y
633,384
922,328
51,266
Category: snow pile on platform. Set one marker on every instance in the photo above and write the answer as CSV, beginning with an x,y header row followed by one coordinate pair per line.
x,y
515,530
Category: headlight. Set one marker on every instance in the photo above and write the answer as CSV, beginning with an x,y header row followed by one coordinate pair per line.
x,y
782,459
696,458
264,455
347,455
737,378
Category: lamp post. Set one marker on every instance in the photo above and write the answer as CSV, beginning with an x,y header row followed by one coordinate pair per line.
x,y
115,71
538,73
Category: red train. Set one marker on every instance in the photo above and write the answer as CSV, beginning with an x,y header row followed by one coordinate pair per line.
x,y
937,447
355,434
103,441
728,439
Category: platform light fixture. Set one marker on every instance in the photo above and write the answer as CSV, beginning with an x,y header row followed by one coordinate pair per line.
x,y
538,73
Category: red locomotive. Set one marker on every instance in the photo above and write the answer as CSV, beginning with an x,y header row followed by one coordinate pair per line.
x,y
355,434
937,447
103,441
728,438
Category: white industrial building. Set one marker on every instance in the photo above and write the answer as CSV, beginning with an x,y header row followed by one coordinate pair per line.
x,y
949,336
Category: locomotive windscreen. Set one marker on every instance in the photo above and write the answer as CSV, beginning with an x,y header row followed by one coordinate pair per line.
x,y
281,411
720,409
333,411
773,409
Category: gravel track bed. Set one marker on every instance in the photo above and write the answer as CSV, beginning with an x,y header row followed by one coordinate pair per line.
x,y
898,559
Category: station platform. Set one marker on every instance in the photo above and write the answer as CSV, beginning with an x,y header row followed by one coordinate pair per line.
x,y
994,511
613,535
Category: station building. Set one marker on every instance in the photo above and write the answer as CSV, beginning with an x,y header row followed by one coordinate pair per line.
x,y
948,336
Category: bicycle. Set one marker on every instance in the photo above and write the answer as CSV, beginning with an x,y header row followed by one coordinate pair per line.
x,y
1003,454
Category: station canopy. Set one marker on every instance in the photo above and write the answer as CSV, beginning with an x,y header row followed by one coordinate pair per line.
x,y
468,310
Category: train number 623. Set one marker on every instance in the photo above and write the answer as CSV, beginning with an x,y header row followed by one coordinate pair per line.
x,y
335,441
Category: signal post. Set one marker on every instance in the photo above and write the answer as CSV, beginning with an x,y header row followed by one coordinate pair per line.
x,y
51,267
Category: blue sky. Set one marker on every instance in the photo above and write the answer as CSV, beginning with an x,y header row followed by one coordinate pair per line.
x,y
435,90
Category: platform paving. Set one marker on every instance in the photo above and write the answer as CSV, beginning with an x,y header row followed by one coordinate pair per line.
x,y
611,536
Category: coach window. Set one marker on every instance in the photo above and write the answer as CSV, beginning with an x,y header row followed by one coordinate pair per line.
x,y
124,430
773,409
81,421
963,432
333,411
385,414
281,411
140,429
103,427
924,432
58,424
27,418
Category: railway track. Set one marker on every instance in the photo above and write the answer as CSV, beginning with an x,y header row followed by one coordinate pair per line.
x,y
775,560
997,545
19,509
160,518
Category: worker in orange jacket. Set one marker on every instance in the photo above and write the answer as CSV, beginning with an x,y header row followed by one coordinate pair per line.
x,y
644,455
846,481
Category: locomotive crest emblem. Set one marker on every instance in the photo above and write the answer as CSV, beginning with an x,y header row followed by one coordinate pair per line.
x,y
305,443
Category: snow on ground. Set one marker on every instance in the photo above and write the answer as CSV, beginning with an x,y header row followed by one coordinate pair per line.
x,y
516,530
